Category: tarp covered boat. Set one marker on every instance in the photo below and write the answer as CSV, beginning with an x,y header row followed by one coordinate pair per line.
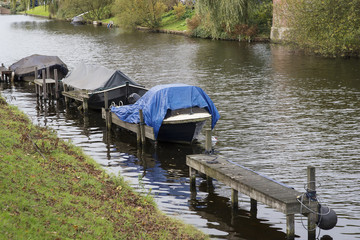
x,y
25,68
176,112
95,80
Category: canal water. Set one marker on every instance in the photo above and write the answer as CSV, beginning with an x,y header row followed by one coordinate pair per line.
x,y
280,112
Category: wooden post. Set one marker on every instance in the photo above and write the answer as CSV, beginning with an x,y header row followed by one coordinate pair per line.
x,y
44,85
65,90
85,106
234,199
142,127
56,77
290,226
48,72
313,203
107,111
127,92
35,73
253,207
192,173
12,79
208,143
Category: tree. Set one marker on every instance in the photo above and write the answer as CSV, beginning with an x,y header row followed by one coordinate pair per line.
x,y
327,27
131,13
95,9
219,17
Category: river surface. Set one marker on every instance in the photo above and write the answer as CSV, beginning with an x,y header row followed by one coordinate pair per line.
x,y
280,112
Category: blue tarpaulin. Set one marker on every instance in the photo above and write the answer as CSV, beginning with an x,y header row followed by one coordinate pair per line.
x,y
159,99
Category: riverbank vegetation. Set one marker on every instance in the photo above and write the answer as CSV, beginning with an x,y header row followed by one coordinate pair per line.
x,y
50,190
328,28
230,20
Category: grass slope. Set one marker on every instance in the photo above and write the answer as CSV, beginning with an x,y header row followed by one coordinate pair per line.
x,y
50,190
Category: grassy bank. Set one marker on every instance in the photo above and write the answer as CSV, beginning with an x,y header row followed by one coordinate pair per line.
x,y
50,190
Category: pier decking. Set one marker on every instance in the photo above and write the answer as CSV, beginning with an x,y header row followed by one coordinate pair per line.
x,y
258,187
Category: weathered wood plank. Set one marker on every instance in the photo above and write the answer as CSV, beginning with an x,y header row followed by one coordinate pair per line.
x,y
149,131
257,187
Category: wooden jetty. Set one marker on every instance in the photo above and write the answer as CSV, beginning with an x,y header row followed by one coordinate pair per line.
x,y
142,130
6,74
46,86
258,187
77,95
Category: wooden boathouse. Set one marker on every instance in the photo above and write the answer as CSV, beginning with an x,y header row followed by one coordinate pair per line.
x,y
258,187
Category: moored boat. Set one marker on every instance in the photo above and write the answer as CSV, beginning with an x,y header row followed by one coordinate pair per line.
x,y
175,112
92,81
24,69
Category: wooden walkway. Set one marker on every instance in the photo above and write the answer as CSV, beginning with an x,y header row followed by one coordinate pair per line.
x,y
258,187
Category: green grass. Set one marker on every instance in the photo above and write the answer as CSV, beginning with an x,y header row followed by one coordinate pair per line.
x,y
50,190
170,21
38,11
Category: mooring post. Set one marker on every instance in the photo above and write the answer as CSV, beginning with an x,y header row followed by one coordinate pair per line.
x,y
44,85
313,204
192,173
35,73
107,111
253,207
65,87
36,86
290,226
234,200
12,77
56,77
48,72
208,143
142,127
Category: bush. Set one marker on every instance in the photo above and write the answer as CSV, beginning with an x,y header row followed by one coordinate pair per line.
x,y
180,10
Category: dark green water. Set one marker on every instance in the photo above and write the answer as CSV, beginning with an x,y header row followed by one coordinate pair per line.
x,y
280,112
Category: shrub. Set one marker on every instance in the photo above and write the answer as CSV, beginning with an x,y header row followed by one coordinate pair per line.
x,y
180,10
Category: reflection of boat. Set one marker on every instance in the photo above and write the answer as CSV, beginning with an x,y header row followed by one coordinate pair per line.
x,y
92,81
25,68
175,112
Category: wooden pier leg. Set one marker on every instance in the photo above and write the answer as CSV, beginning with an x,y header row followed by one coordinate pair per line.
x,y
209,181
138,135
12,77
253,207
66,98
290,226
107,111
142,127
56,77
48,72
234,200
192,172
44,86
85,106
313,204
208,143
35,73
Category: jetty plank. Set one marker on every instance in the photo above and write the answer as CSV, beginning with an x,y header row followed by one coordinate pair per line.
x,y
149,131
250,183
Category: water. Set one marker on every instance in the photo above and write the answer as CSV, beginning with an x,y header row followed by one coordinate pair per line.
x,y
280,112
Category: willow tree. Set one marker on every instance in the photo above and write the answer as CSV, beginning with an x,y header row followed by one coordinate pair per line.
x,y
219,14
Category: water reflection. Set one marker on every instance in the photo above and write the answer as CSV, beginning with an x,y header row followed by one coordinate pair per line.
x,y
280,112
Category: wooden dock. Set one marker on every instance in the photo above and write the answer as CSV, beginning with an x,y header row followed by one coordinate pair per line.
x,y
258,187
6,74
77,95
46,86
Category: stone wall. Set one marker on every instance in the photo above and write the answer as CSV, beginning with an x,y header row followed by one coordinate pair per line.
x,y
279,29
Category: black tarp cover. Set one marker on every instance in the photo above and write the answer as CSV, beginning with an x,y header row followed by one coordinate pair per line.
x,y
28,64
96,78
